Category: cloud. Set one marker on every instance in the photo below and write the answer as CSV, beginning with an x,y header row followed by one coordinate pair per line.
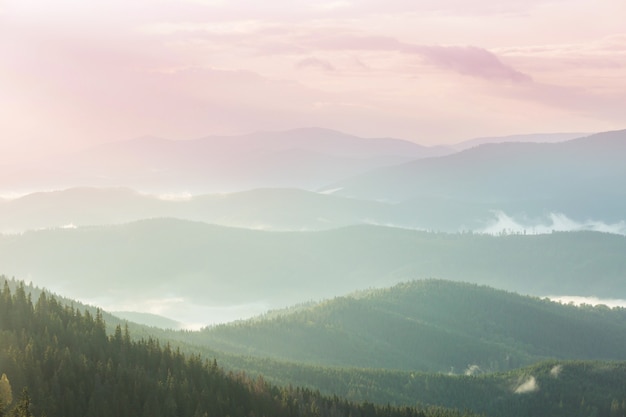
x,y
555,222
101,71
473,370
208,2
315,63
469,60
332,5
193,316
293,9
556,371
349,41
528,386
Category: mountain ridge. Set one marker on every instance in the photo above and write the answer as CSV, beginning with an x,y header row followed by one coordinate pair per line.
x,y
430,325
215,265
301,158
578,177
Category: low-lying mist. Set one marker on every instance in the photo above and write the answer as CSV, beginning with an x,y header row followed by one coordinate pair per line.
x,y
191,316
553,222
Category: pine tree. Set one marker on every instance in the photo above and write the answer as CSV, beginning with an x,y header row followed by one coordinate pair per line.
x,y
6,395
22,409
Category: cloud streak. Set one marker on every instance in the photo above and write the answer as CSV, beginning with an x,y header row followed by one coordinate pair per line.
x,y
555,222
315,63
470,60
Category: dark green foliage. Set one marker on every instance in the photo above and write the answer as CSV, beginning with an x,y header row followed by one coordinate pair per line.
x,y
72,368
22,409
428,326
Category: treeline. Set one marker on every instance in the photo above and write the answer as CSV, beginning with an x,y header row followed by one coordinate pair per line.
x,y
65,364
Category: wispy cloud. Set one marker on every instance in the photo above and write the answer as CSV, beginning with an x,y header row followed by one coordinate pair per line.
x,y
469,60
192,316
527,386
556,371
316,63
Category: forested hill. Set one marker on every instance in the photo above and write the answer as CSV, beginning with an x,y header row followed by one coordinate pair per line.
x,y
72,368
429,325
219,266
64,364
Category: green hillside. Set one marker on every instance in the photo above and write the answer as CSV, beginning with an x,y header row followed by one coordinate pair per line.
x,y
429,326
550,388
64,364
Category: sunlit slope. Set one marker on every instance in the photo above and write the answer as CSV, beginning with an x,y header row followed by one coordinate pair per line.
x,y
61,362
430,326
217,265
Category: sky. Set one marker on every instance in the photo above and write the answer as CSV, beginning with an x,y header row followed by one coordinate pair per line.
x,y
74,73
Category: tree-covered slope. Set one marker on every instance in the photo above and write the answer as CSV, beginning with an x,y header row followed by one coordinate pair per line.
x,y
545,389
70,367
429,326
211,265
551,388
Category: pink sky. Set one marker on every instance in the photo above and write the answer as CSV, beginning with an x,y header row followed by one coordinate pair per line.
x,y
75,73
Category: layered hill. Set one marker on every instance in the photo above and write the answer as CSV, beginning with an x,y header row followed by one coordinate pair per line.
x,y
580,178
532,137
64,364
299,158
266,208
377,181
555,387
269,208
199,264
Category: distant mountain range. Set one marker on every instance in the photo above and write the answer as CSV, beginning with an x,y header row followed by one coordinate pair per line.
x,y
535,137
438,189
267,208
307,158
503,172
580,178
300,158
